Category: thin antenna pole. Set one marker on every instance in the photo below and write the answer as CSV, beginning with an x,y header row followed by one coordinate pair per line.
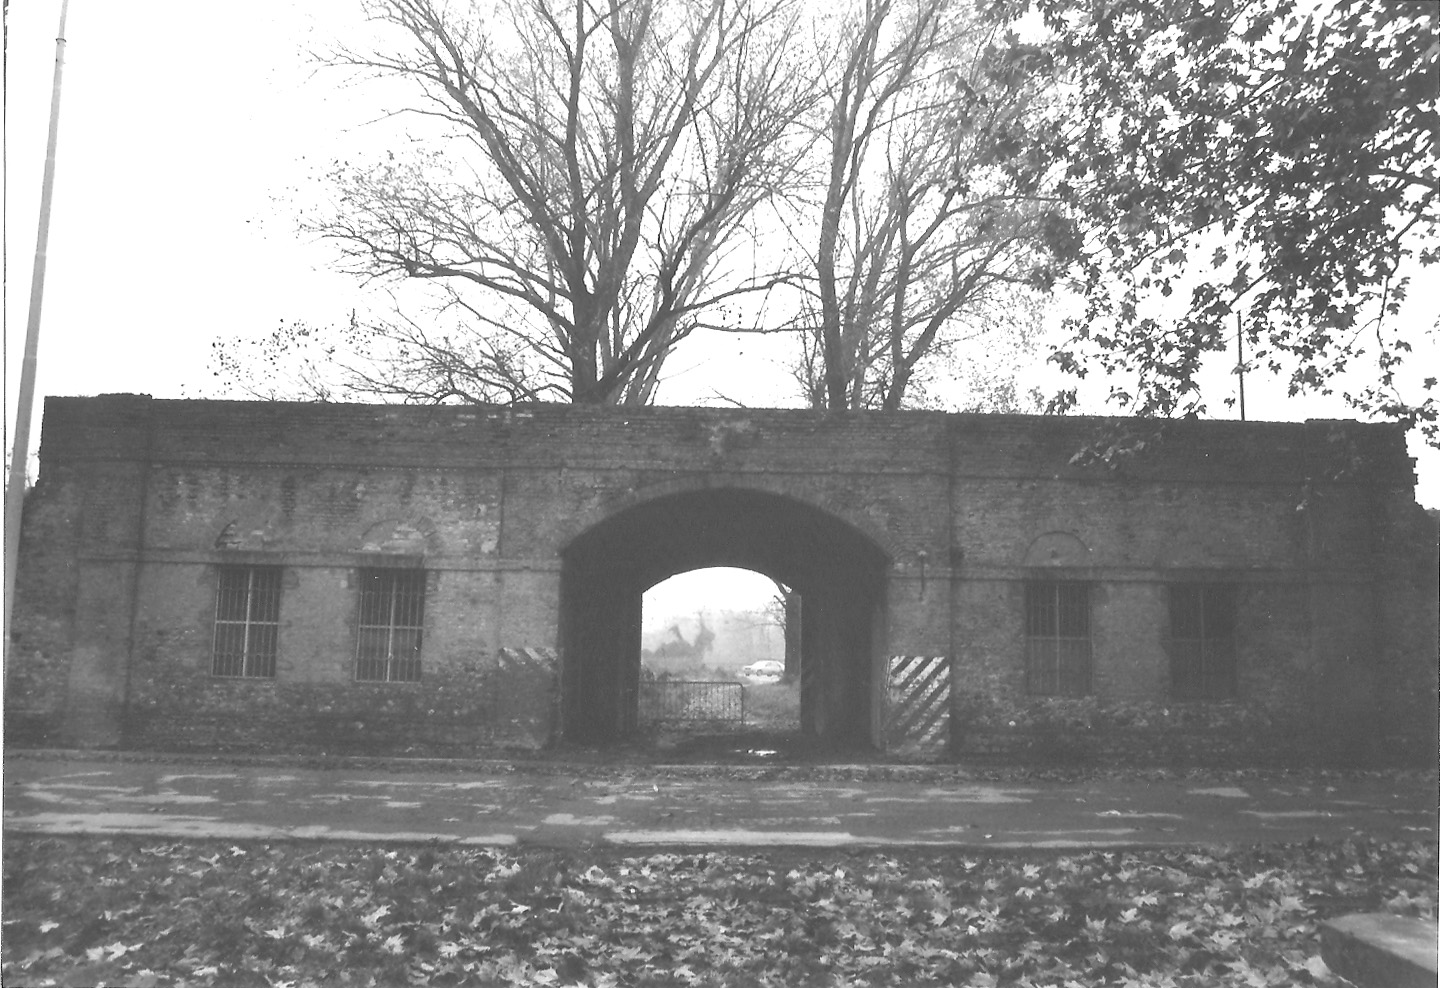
x,y
1240,347
20,451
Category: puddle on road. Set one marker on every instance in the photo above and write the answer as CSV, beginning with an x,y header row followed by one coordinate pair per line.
x,y
42,796
1287,814
165,780
793,821
966,794
775,838
134,823
1225,792
318,832
1065,839
77,794
174,797
1059,845
570,820
1071,831
396,804
397,836
428,783
83,775
766,838
1136,815
162,825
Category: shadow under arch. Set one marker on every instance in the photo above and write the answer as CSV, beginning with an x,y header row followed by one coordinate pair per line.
x,y
839,572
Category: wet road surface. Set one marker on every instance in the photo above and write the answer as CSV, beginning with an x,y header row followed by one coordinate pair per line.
x,y
651,808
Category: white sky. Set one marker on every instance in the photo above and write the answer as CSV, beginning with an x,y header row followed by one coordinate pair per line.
x,y
712,590
185,130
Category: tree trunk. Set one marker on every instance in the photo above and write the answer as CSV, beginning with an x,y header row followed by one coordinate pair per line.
x,y
792,636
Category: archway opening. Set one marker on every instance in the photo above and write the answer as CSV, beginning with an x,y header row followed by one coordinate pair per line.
x,y
719,660
836,572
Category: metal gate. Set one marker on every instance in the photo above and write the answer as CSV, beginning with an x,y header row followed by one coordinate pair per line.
x,y
675,701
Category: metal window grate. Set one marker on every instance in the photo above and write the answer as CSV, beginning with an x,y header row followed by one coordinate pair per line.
x,y
247,621
391,625
1057,639
1202,641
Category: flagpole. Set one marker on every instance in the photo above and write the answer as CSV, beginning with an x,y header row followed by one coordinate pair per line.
x,y
20,450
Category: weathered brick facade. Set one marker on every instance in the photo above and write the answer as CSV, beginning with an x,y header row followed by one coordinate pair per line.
x,y
537,529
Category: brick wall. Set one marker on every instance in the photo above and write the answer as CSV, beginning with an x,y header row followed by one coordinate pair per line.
x,y
140,502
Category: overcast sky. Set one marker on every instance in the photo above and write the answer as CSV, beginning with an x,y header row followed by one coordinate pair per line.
x,y
188,132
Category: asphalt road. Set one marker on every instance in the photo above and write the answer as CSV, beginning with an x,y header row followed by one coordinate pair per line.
x,y
652,807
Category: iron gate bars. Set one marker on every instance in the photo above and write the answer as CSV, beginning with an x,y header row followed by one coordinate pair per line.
x,y
687,702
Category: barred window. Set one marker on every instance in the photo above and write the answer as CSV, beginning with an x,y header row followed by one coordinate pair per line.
x,y
1057,639
247,621
1202,641
392,621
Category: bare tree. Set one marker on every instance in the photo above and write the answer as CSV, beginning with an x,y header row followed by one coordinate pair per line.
x,y
784,611
932,216
587,201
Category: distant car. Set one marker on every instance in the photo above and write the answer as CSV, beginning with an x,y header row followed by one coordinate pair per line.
x,y
764,671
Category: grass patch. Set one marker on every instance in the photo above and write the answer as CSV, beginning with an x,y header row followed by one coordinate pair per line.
x,y
773,706
141,912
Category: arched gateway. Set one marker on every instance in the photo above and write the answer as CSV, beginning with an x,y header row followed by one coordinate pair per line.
x,y
839,572
462,580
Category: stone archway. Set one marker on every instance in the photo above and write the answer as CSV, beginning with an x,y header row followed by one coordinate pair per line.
x,y
838,571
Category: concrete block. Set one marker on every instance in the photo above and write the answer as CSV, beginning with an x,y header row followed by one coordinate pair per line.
x,y
1377,950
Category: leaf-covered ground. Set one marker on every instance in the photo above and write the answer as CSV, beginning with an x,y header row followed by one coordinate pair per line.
x,y
142,912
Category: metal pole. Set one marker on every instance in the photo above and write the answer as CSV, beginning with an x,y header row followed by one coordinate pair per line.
x,y
20,450
1240,347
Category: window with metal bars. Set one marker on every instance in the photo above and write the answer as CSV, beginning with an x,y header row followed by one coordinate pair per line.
x,y
247,621
391,625
1202,641
1057,638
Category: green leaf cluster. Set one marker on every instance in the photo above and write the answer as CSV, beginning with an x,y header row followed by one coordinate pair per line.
x,y
1273,166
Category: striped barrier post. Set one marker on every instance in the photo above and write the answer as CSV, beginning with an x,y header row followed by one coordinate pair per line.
x,y
918,704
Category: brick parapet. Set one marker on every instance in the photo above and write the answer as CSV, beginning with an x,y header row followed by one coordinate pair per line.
x,y
707,439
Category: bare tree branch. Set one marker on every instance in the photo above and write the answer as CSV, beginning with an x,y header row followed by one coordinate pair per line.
x,y
609,153
929,210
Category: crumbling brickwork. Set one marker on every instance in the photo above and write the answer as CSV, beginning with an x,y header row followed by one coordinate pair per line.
x,y
536,528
